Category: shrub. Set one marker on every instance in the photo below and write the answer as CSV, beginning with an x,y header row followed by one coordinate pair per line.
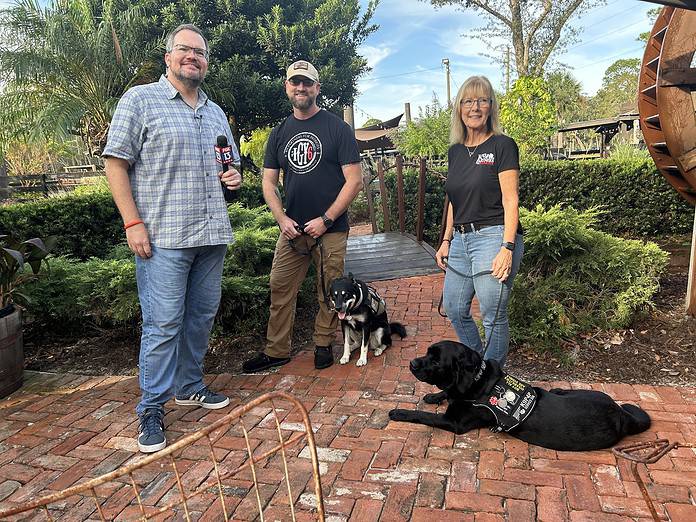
x,y
85,225
255,146
86,222
574,279
103,292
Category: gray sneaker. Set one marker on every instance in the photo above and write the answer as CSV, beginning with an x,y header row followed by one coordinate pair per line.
x,y
151,433
205,398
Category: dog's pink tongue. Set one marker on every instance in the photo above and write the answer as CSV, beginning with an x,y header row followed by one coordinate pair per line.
x,y
341,315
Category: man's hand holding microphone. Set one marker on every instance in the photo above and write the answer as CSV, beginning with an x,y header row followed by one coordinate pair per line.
x,y
230,177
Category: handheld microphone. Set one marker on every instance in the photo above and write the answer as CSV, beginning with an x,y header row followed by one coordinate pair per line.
x,y
223,155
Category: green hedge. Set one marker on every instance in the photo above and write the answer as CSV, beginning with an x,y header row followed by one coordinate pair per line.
x,y
634,198
574,279
86,222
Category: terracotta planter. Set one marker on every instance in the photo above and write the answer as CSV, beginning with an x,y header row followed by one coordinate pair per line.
x,y
11,353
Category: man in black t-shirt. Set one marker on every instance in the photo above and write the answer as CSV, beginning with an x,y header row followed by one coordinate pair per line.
x,y
319,157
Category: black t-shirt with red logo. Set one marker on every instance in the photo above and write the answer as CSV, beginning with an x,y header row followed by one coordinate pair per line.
x,y
311,153
472,183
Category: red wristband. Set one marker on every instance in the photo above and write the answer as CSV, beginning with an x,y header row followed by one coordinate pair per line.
x,y
132,223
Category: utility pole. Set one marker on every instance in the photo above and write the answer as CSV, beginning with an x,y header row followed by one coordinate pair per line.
x,y
507,69
446,63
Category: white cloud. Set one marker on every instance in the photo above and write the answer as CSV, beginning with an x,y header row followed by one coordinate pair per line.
x,y
386,99
374,54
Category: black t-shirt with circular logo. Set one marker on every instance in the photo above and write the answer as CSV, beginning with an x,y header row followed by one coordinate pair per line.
x,y
472,183
311,153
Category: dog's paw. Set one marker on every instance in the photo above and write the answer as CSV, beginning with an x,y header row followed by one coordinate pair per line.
x,y
344,359
400,415
434,398
361,362
379,351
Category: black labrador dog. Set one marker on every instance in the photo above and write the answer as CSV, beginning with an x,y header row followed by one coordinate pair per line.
x,y
566,420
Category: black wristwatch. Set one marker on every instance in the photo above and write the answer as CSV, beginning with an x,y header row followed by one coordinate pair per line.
x,y
328,222
509,245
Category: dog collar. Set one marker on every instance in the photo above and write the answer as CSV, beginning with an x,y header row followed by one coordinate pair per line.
x,y
510,401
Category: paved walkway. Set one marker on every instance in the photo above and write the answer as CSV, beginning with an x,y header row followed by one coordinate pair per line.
x,y
63,429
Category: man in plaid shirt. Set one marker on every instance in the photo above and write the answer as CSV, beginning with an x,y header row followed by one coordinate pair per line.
x,y
160,164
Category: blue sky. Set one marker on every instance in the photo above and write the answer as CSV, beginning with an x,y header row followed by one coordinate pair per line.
x,y
414,37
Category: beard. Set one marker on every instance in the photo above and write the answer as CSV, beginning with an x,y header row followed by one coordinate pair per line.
x,y
193,81
304,103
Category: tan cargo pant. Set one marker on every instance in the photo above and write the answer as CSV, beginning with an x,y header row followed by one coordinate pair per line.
x,y
287,273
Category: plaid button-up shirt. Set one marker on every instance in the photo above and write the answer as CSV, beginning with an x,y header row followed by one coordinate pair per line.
x,y
173,173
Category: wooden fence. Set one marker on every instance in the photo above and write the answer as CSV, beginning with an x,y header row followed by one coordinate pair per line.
x,y
48,183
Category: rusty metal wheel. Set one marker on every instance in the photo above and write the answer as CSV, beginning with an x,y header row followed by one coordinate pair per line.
x,y
667,98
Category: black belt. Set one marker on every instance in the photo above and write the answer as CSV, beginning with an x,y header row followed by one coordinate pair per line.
x,y
463,228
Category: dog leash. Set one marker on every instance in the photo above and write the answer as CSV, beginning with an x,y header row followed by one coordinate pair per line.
x,y
317,243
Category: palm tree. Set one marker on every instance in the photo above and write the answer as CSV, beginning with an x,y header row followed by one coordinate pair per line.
x,y
63,67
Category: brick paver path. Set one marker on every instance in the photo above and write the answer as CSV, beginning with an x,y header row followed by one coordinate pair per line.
x,y
62,429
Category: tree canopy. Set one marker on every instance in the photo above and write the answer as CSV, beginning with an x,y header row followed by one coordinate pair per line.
x,y
535,29
619,91
65,66
73,59
527,113
428,135
567,97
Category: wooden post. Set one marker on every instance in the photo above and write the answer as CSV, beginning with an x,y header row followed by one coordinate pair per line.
x,y
421,201
4,180
367,185
383,196
349,116
400,192
691,287
407,112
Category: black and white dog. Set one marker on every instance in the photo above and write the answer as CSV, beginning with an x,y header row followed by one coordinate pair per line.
x,y
363,316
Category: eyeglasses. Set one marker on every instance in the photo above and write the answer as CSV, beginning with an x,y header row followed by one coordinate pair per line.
x,y
297,80
468,103
200,53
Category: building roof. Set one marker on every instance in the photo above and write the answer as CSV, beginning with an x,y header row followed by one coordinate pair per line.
x,y
603,122
377,136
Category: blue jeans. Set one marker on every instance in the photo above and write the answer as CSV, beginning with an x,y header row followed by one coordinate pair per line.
x,y
470,254
179,291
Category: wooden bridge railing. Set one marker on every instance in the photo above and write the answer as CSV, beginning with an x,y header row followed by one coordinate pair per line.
x,y
399,165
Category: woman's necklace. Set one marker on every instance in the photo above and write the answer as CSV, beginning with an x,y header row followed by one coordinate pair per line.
x,y
471,152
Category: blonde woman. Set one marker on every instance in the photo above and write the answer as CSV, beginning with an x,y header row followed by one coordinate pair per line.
x,y
482,245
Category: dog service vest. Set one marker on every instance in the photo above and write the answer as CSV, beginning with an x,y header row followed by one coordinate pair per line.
x,y
510,401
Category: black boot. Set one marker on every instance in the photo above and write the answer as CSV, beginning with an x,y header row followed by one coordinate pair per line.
x,y
261,361
323,357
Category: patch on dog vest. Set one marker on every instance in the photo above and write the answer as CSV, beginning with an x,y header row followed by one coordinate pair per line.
x,y
511,401
374,301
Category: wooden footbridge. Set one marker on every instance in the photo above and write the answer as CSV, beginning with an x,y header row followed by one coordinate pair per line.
x,y
391,254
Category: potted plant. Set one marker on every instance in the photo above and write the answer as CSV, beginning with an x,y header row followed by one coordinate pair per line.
x,y
14,256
